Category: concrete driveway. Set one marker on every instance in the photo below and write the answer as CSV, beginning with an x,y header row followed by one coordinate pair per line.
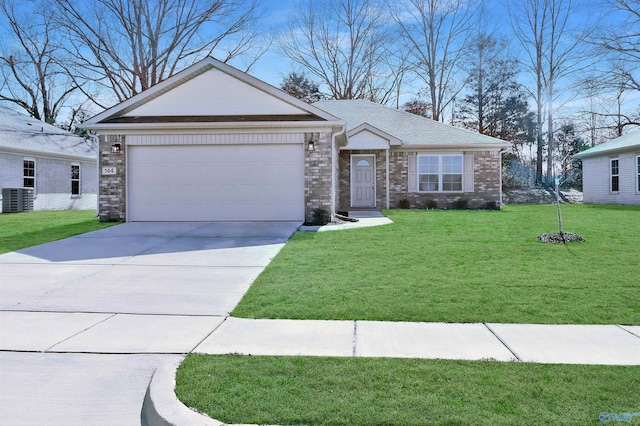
x,y
86,320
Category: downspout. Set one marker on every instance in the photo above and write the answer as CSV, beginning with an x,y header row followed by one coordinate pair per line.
x,y
334,164
387,178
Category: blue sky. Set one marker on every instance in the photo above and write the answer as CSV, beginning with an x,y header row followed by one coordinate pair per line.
x,y
272,66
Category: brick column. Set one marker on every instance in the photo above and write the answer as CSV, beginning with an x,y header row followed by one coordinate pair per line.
x,y
112,187
317,166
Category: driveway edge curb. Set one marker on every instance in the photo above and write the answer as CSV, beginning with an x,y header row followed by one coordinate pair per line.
x,y
161,407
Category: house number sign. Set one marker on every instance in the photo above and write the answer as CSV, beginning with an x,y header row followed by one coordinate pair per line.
x,y
106,171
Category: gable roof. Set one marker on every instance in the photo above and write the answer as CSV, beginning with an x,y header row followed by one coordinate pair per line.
x,y
410,129
210,93
626,142
25,135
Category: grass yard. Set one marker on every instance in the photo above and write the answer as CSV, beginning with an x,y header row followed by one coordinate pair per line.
x,y
461,266
366,391
21,230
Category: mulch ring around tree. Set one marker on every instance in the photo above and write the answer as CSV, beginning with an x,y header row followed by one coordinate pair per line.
x,y
558,238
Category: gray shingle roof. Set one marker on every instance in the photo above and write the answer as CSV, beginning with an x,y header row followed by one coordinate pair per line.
x,y
626,142
409,128
21,133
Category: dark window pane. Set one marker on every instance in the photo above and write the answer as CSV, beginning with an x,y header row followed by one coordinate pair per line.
x,y
428,183
75,187
614,184
452,182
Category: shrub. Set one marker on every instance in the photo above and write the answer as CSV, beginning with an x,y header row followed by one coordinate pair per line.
x,y
404,204
461,204
319,217
431,204
492,205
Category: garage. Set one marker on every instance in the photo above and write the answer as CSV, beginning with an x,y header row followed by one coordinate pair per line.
x,y
222,182
212,143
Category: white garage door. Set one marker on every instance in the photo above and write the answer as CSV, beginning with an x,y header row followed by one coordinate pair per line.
x,y
215,182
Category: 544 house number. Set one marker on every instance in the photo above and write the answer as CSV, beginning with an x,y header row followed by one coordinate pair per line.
x,y
106,171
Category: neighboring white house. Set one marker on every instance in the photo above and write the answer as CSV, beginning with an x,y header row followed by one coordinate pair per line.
x,y
57,168
611,171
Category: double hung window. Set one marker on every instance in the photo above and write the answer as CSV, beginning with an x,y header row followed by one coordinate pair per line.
x,y
615,175
75,179
440,173
29,173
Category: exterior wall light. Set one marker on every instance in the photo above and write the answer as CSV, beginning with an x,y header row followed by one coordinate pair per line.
x,y
116,148
311,146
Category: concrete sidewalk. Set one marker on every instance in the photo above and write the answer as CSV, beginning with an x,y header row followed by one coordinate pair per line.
x,y
60,332
540,343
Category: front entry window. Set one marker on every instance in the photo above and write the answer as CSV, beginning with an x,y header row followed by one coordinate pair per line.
x,y
363,163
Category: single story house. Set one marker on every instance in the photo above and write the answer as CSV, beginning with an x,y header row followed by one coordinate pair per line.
x,y
611,171
213,143
392,158
43,167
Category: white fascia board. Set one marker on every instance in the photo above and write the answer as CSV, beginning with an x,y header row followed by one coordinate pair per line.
x,y
606,152
41,154
257,127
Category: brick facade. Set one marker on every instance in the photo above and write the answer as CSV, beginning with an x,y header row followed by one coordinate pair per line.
x,y
317,166
112,189
487,182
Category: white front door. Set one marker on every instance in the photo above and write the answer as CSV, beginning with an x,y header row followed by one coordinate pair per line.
x,y
363,186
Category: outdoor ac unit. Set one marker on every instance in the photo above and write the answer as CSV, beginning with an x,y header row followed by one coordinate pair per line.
x,y
17,200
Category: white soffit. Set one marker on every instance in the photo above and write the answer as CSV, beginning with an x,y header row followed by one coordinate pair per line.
x,y
215,93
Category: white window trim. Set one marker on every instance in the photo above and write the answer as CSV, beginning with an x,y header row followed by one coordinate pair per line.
x,y
611,175
79,194
34,177
440,155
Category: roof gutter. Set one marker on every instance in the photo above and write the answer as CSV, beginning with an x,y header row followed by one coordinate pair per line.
x,y
59,156
105,128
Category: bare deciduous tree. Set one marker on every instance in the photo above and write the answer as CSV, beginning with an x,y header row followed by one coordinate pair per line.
x,y
127,46
346,45
31,61
436,33
619,46
553,50
622,42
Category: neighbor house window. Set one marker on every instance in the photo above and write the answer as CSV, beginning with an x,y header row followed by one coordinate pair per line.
x,y
75,179
29,173
615,176
440,173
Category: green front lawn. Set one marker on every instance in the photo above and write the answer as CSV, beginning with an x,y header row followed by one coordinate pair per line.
x,y
21,230
361,391
461,266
